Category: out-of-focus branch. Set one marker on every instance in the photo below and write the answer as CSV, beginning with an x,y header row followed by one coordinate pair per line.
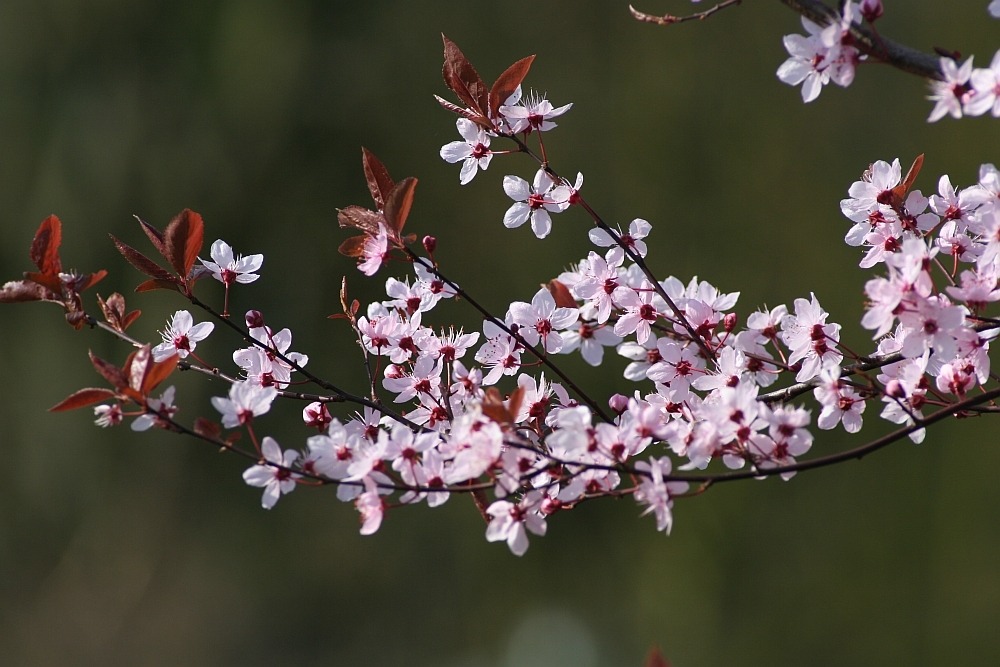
x,y
865,39
872,44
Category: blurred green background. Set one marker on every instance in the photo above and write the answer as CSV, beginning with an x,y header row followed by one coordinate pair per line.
x,y
117,548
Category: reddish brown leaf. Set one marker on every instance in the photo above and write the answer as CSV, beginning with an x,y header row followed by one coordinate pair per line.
x,y
157,283
82,398
899,192
207,428
143,263
379,182
112,310
561,294
130,318
45,246
361,219
90,280
137,366
49,281
655,658
154,236
353,247
507,83
17,291
463,79
182,241
397,206
110,372
494,407
465,113
157,372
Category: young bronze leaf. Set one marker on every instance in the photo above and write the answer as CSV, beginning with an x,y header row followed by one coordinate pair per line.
x,y
137,366
45,246
397,206
157,372
465,113
182,241
353,247
361,219
130,318
379,182
899,192
113,309
82,398
110,372
207,428
655,658
507,83
494,407
561,294
143,263
153,234
462,78
157,283
49,281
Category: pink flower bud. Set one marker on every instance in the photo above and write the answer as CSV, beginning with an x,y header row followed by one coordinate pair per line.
x,y
730,321
871,9
430,244
254,319
317,415
618,403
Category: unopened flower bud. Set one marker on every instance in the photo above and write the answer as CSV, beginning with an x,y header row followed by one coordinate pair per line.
x,y
430,244
317,415
871,9
730,321
618,403
254,319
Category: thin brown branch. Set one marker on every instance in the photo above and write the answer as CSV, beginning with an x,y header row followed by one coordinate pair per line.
x,y
670,19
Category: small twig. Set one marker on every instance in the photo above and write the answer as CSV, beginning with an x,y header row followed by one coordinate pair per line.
x,y
670,19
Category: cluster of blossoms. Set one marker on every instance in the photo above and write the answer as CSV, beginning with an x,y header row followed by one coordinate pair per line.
x,y
490,413
830,54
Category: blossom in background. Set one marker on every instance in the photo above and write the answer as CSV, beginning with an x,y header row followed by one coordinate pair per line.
x,y
181,336
156,408
823,55
229,269
655,493
952,93
985,89
511,522
273,473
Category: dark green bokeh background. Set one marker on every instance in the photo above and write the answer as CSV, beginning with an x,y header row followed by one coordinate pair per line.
x,y
118,548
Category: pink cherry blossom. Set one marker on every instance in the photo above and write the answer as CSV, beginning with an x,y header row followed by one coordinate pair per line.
x,y
473,151
273,472
229,269
181,336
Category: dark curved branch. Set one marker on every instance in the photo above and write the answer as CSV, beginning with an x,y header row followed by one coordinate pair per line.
x,y
872,44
